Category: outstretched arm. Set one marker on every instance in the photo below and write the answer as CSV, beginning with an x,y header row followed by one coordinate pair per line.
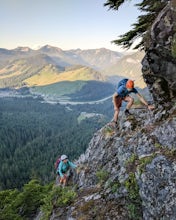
x,y
72,164
141,98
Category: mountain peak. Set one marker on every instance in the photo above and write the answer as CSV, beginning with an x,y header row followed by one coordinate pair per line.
x,y
23,49
50,49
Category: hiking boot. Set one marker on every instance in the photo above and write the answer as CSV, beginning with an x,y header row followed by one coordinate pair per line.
x,y
114,124
127,113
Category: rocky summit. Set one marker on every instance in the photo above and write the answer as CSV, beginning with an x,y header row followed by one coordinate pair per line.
x,y
130,172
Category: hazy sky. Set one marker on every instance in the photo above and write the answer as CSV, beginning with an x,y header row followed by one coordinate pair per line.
x,y
67,24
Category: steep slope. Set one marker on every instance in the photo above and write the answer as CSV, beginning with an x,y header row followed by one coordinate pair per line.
x,y
128,173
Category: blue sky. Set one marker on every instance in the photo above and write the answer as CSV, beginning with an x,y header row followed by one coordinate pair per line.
x,y
67,24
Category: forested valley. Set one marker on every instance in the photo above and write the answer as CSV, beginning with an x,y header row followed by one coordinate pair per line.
x,y
33,134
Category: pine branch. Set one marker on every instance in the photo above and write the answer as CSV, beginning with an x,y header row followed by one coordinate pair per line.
x,y
140,29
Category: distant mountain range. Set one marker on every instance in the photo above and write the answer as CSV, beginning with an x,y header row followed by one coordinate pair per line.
x,y
49,66
95,58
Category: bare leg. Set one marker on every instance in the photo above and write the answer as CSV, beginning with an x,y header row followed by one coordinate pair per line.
x,y
130,101
117,104
116,113
63,180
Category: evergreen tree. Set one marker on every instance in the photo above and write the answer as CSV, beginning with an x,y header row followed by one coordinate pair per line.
x,y
33,134
140,29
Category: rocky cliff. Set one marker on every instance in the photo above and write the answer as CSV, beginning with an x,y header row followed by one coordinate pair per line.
x,y
159,63
130,173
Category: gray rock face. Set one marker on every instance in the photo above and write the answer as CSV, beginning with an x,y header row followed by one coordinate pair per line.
x,y
128,173
147,152
157,189
159,63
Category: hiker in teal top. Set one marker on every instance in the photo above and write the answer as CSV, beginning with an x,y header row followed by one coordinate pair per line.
x,y
124,88
64,169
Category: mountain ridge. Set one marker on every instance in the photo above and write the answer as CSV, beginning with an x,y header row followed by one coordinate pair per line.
x,y
49,65
98,59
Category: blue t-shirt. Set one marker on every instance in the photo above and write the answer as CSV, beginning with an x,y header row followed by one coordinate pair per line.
x,y
122,91
64,167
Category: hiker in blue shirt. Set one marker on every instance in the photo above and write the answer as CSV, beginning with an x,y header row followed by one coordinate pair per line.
x,y
125,87
64,169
